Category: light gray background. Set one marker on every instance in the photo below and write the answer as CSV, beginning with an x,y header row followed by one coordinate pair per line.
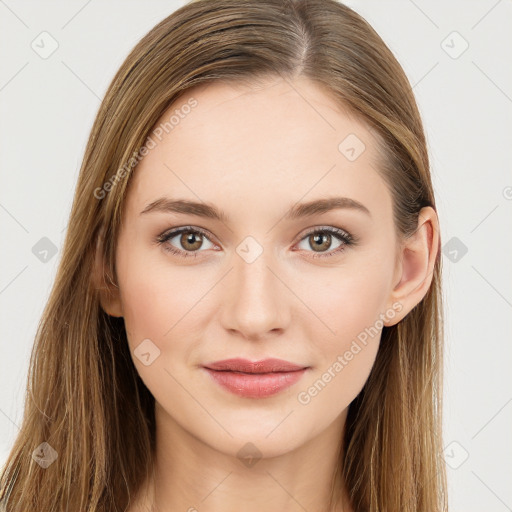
x,y
47,106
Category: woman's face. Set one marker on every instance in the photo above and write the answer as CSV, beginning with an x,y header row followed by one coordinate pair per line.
x,y
273,277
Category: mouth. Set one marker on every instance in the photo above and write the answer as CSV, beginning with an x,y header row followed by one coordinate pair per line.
x,y
257,379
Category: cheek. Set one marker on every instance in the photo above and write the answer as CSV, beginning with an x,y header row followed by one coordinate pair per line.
x,y
158,305
350,307
153,299
164,307
344,302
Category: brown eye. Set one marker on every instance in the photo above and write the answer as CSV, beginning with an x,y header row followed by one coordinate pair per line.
x,y
185,241
191,241
320,242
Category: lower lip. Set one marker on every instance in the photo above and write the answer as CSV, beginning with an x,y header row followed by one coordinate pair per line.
x,y
255,385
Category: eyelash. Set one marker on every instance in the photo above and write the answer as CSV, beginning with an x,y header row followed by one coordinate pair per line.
x,y
340,234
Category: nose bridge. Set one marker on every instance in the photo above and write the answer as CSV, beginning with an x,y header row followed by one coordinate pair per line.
x,y
254,304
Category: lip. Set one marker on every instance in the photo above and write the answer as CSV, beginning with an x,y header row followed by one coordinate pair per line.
x,y
255,379
263,366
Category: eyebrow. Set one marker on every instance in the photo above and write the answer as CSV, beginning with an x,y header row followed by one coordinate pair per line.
x,y
210,211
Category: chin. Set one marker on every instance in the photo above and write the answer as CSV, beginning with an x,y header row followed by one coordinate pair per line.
x,y
274,436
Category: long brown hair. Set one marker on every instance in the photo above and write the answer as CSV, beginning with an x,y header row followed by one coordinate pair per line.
x,y
84,397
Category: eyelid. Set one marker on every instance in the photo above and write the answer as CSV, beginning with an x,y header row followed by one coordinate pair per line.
x,y
330,229
171,233
178,230
345,238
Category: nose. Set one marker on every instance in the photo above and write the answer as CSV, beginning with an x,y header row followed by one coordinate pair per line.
x,y
255,302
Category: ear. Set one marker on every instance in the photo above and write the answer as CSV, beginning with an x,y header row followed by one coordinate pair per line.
x,y
110,298
417,258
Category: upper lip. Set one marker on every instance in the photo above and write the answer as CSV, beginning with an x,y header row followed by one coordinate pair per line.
x,y
262,366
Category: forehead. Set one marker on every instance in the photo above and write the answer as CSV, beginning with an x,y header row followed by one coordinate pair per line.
x,y
271,142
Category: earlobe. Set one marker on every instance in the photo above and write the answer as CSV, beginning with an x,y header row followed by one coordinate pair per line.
x,y
110,301
108,291
418,257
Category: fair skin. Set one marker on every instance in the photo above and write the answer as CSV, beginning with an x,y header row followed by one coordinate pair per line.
x,y
254,152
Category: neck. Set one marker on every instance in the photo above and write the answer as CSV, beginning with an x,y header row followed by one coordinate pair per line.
x,y
190,475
